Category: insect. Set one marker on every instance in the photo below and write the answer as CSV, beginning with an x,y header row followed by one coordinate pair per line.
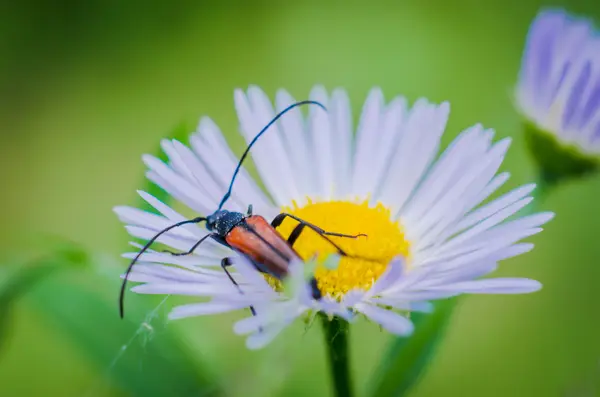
x,y
248,234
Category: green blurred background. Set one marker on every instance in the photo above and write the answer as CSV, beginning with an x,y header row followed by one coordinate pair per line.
x,y
87,87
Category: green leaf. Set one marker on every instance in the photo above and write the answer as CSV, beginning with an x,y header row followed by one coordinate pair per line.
x,y
407,358
20,277
140,354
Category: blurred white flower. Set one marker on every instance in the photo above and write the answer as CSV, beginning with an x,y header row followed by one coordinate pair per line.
x,y
559,93
428,236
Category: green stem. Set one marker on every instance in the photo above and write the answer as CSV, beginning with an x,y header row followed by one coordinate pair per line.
x,y
336,338
545,184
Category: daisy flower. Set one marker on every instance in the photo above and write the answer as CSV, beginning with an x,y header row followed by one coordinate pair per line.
x,y
428,236
558,93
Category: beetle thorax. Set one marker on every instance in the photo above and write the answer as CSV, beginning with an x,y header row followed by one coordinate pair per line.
x,y
223,221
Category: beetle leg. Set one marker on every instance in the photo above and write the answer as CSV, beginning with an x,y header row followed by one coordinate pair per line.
x,y
295,233
316,292
225,263
298,230
280,218
314,288
188,252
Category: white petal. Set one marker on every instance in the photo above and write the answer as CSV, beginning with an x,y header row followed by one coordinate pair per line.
x,y
392,322
391,131
261,339
413,278
322,144
264,113
484,244
296,140
450,202
176,162
200,309
180,244
393,273
464,273
199,167
443,230
221,161
329,306
194,262
341,126
161,207
190,194
490,188
273,315
177,242
422,307
425,295
514,250
196,172
268,153
417,148
489,223
251,324
175,274
251,275
444,173
495,206
367,139
151,221
492,286
192,289
352,297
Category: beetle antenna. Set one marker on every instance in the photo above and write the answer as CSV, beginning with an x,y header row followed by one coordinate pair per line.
x,y
239,165
144,249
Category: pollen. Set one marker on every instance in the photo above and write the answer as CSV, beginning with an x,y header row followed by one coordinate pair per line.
x,y
368,255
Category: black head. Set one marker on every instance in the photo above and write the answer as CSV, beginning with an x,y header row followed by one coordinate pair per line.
x,y
223,221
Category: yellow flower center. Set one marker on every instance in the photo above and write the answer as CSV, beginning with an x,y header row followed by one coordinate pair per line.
x,y
368,256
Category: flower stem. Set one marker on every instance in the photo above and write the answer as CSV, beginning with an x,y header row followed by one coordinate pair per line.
x,y
336,338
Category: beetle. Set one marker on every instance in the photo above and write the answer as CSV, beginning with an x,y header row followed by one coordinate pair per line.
x,y
250,235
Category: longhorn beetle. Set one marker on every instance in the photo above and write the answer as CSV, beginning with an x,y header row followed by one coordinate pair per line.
x,y
248,234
